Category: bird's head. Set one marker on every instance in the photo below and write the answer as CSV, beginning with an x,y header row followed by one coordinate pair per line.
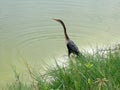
x,y
58,20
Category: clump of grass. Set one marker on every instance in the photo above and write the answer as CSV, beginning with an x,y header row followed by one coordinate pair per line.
x,y
17,84
100,71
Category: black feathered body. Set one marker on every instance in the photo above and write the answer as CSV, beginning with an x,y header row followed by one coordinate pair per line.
x,y
72,48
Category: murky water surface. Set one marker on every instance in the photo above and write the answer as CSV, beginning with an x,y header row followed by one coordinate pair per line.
x,y
28,33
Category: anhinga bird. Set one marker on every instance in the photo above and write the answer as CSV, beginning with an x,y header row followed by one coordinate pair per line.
x,y
72,48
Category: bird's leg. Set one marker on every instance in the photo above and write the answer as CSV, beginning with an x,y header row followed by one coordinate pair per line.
x,y
69,52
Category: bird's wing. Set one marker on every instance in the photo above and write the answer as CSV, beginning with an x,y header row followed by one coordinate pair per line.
x,y
71,45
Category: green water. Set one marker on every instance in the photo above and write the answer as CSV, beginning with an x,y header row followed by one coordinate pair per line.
x,y
28,33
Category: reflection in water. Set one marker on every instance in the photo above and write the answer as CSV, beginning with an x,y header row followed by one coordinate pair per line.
x,y
28,32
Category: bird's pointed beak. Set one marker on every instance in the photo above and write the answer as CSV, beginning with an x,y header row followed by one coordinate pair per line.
x,y
55,19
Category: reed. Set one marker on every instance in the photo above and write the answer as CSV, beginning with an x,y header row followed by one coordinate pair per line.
x,y
99,71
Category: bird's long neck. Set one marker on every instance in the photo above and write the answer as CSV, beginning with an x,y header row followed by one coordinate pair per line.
x,y
65,32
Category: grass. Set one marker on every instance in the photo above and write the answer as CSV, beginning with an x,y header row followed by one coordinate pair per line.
x,y
99,71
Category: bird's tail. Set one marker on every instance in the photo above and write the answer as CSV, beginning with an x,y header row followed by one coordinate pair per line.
x,y
80,54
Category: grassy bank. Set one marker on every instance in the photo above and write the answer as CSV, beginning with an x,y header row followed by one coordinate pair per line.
x,y
99,71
